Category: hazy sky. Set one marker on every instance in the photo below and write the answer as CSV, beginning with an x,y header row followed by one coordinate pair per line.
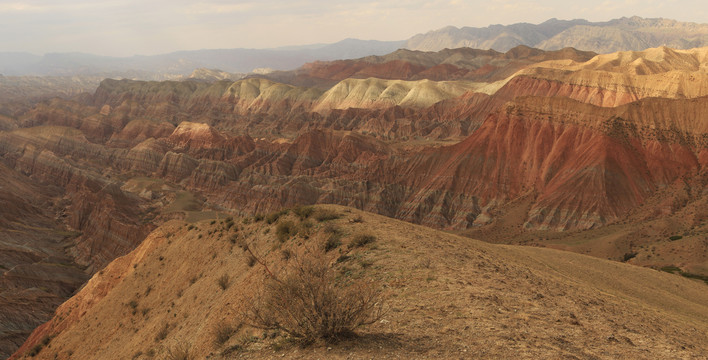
x,y
128,27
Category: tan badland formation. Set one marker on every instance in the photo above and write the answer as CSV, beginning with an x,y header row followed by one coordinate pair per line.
x,y
532,156
604,80
376,93
622,77
446,297
544,143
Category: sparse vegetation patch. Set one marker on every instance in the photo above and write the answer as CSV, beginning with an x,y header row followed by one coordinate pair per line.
x,y
676,270
224,281
273,217
325,215
180,352
303,212
360,240
223,332
285,230
334,237
308,304
35,350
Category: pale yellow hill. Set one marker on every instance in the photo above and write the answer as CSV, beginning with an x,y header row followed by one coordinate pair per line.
x,y
256,88
378,93
259,94
447,297
657,72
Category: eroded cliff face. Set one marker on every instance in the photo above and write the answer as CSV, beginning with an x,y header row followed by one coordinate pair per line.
x,y
36,273
548,146
548,130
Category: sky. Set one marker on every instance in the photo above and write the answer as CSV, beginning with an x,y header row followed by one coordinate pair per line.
x,y
148,27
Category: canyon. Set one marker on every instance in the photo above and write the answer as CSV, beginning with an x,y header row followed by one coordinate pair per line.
x,y
603,155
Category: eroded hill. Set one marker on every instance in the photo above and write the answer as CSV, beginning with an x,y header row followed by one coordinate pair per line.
x,y
446,296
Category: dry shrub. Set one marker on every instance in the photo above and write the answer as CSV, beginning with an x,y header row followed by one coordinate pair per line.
x,y
309,304
357,220
303,212
162,333
180,352
360,240
334,236
285,254
224,281
325,215
274,216
223,332
333,241
285,230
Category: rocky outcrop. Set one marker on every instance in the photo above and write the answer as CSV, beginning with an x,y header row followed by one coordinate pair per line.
x,y
139,130
203,141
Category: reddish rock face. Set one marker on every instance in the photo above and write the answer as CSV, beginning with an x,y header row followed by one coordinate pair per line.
x,y
444,65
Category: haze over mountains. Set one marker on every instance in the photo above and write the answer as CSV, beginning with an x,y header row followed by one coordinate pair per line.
x,y
633,33
166,66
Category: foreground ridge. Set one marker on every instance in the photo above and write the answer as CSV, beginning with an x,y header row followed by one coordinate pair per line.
x,y
446,296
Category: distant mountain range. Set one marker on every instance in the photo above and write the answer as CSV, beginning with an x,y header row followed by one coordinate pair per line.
x,y
622,34
167,66
633,33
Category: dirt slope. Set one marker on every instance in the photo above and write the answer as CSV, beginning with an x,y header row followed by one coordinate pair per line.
x,y
447,297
